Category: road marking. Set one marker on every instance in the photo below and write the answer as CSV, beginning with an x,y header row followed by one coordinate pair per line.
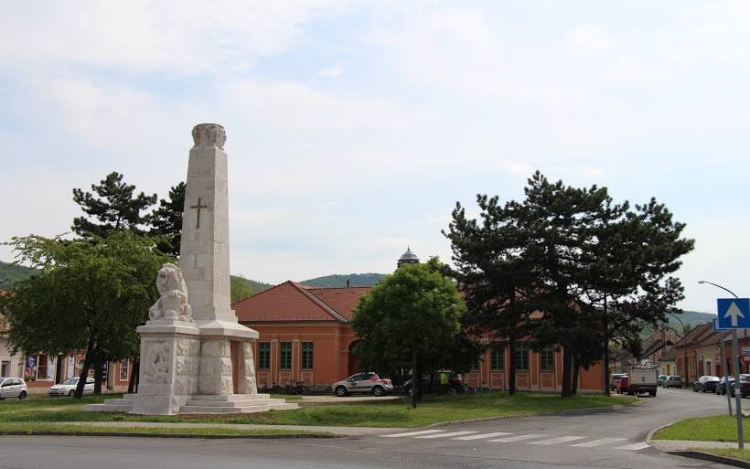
x,y
530,436
603,441
481,436
634,447
423,432
443,435
554,441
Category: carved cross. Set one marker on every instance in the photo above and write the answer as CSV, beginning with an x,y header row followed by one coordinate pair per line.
x,y
198,207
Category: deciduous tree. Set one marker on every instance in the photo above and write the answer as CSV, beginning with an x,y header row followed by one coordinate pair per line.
x,y
407,317
89,294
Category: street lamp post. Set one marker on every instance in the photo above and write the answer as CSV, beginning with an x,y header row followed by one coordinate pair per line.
x,y
684,339
737,384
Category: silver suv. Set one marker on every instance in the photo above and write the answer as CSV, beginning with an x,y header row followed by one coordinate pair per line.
x,y
364,383
13,387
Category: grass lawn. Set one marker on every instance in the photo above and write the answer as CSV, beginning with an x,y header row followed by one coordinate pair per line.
x,y
727,452
718,428
398,413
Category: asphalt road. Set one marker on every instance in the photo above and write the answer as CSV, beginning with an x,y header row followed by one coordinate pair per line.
x,y
594,439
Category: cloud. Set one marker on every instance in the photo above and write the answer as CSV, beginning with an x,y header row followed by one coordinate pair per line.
x,y
522,169
175,37
331,72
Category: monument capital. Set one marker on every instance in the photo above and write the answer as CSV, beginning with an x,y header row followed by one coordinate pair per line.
x,y
205,135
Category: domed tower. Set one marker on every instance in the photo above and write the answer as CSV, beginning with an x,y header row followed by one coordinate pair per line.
x,y
407,258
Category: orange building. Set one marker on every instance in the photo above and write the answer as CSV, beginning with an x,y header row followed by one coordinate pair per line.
x,y
305,335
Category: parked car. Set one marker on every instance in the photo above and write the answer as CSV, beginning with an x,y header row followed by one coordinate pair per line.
x,y
68,387
662,379
706,384
721,388
363,383
744,386
622,385
13,387
673,381
431,383
614,381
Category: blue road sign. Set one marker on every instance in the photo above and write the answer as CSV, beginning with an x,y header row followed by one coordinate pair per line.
x,y
734,313
716,325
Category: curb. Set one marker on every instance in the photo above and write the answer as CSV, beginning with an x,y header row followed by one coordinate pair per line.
x,y
584,410
693,453
711,457
651,434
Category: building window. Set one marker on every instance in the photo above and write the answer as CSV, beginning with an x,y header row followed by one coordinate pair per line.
x,y
285,363
498,359
307,355
41,370
547,356
264,355
124,368
522,356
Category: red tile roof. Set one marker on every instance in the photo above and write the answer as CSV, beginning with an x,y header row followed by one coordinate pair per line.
x,y
290,301
342,300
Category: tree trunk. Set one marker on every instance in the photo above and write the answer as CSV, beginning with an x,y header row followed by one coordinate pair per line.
x,y
86,365
98,360
566,389
414,377
133,383
512,368
576,369
418,384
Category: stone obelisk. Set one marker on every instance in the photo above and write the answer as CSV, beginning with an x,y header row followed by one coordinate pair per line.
x,y
195,356
204,261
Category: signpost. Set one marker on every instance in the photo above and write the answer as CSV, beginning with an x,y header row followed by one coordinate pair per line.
x,y
734,313
723,363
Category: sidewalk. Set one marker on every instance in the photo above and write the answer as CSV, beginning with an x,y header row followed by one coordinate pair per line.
x,y
339,431
685,445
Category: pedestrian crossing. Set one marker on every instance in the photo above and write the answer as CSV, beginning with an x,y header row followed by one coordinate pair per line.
x,y
525,438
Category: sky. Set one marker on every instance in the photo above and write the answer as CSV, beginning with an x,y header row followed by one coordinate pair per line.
x,y
354,127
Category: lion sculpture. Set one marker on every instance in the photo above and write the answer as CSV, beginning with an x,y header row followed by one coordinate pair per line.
x,y
173,303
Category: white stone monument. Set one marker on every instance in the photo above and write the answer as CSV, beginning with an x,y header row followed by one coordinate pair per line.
x,y
195,356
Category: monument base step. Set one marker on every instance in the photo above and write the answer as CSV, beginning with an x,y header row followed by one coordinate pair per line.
x,y
109,407
248,409
204,404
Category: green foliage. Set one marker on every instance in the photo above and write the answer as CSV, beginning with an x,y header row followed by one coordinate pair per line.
x,y
258,286
89,294
406,318
716,428
11,273
574,255
240,289
166,221
112,207
339,281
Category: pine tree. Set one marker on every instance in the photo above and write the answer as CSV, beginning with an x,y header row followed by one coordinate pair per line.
x,y
493,273
166,221
113,206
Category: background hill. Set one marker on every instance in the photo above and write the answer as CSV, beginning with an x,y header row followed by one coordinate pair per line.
x,y
338,281
9,273
693,318
257,286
